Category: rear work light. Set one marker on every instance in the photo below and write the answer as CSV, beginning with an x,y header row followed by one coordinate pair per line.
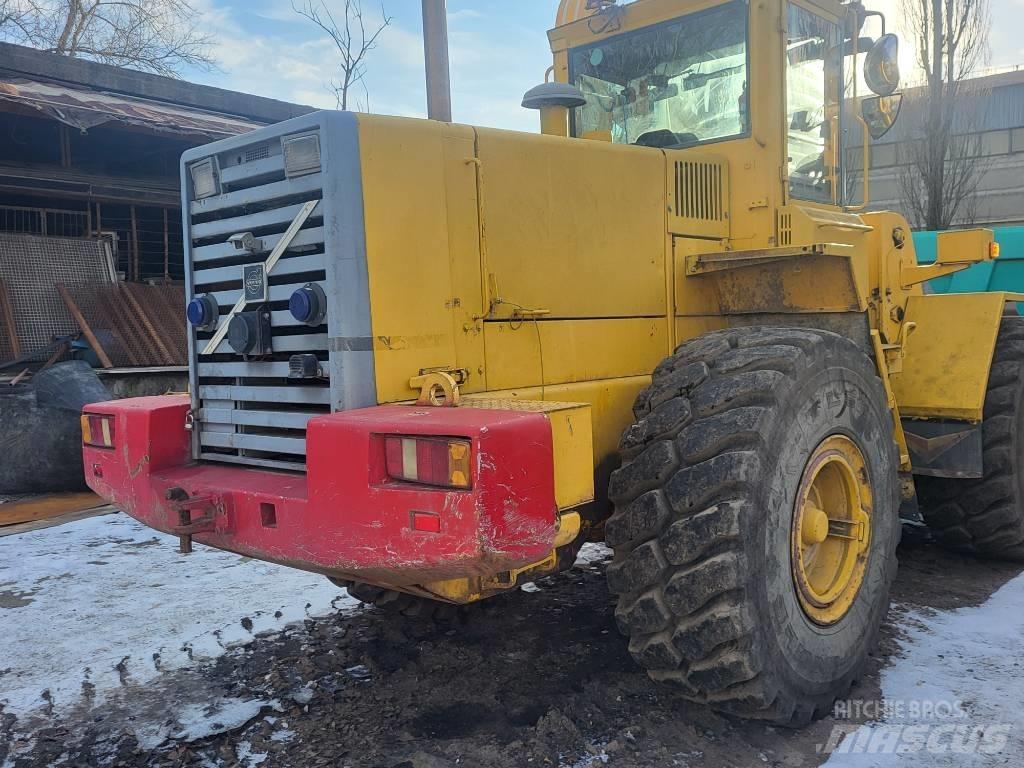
x,y
439,461
204,179
301,154
98,430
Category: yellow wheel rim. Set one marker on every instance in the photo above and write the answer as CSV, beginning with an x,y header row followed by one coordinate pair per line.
x,y
831,530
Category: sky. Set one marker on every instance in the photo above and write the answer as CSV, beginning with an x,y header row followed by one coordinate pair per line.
x,y
498,50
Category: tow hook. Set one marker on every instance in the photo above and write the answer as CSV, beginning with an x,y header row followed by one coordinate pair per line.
x,y
185,506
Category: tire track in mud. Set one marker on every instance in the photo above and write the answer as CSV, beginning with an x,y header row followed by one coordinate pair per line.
x,y
527,679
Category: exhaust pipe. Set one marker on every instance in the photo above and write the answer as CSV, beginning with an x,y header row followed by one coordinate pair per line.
x,y
435,52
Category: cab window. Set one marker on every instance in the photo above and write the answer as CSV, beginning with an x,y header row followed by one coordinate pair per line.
x,y
813,105
676,84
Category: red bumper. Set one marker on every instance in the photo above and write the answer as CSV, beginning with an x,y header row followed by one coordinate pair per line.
x,y
344,517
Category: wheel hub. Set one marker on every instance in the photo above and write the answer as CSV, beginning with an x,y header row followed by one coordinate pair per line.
x,y
831,530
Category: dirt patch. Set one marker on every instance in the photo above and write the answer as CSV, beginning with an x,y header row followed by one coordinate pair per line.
x,y
529,679
9,599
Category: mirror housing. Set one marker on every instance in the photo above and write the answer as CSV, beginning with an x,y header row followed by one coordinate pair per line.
x,y
881,65
880,113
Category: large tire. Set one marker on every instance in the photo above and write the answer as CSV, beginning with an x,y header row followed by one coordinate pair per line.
x,y
985,517
407,605
703,506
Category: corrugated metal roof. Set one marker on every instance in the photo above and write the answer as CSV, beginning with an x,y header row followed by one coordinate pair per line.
x,y
83,109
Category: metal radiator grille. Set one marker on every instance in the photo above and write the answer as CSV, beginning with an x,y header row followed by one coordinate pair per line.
x,y
249,411
699,194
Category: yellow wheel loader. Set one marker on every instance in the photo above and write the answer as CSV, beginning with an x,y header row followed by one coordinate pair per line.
x,y
430,361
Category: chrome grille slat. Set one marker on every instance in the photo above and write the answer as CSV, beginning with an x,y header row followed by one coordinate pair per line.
x,y
254,394
294,445
248,411
278,217
235,174
276,419
293,266
303,185
223,370
277,292
311,237
306,343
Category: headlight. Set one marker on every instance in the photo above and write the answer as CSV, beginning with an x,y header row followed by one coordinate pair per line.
x,y
301,155
204,179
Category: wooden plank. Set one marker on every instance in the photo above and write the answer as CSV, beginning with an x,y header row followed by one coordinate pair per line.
x,y
44,507
7,315
80,319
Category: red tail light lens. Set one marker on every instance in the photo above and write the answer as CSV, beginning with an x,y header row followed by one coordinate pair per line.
x,y
439,461
98,430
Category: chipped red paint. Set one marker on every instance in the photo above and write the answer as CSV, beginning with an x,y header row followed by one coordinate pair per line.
x,y
344,517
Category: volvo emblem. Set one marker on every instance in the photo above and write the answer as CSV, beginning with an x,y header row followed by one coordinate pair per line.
x,y
254,284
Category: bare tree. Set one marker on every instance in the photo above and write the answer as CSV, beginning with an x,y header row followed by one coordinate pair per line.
x,y
942,168
353,39
14,18
161,36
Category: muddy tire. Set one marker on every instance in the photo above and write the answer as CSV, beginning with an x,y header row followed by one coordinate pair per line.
x,y
410,606
985,516
703,508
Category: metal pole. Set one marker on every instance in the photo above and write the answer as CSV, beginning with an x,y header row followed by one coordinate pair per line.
x,y
136,268
435,51
167,249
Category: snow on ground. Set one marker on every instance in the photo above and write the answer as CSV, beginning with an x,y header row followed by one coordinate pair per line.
x,y
105,602
591,554
953,697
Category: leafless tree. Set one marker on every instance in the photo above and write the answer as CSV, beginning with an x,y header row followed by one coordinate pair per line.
x,y
941,166
353,39
161,36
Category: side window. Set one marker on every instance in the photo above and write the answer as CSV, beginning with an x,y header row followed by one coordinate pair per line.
x,y
813,106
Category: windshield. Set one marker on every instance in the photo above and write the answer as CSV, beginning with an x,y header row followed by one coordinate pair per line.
x,y
673,85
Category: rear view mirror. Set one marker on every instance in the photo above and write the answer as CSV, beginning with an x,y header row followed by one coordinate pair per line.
x,y
881,66
880,112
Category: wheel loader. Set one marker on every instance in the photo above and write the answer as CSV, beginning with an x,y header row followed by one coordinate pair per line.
x,y
429,361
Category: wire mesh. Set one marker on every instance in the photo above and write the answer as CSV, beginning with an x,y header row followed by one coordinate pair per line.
x,y
137,324
29,267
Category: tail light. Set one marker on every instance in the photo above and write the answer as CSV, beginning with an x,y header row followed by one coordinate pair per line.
x,y
98,430
439,461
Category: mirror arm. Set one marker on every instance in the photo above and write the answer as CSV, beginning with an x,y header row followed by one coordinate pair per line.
x,y
880,15
867,166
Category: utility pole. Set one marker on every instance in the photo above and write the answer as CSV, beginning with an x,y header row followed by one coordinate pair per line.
x,y
435,52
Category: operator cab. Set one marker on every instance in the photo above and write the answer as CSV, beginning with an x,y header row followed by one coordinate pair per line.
x,y
642,74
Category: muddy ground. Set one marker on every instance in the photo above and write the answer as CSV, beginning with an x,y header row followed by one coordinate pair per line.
x,y
539,678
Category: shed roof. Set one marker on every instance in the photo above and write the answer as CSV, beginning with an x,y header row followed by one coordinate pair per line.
x,y
85,108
